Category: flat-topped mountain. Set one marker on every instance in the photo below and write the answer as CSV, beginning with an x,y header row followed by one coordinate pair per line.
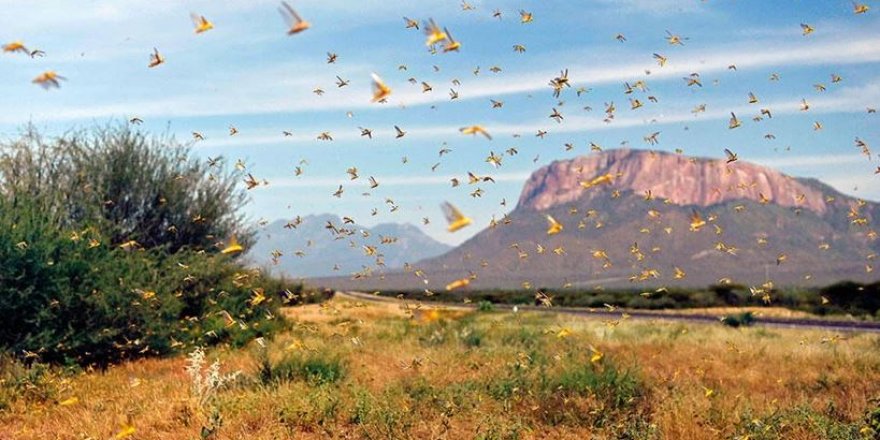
x,y
627,217
681,179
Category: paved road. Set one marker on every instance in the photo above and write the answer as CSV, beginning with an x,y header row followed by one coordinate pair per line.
x,y
797,323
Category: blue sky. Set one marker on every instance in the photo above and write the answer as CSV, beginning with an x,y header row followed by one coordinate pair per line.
x,y
249,74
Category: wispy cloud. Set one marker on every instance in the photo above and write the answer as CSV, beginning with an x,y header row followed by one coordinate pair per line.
x,y
851,99
754,56
857,185
329,182
259,95
653,7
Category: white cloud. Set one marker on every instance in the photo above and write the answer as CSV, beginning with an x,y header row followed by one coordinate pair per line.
x,y
754,56
654,7
329,182
862,185
257,91
851,99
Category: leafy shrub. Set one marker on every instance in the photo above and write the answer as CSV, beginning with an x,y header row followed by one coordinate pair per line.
x,y
35,382
70,300
851,298
126,184
797,422
496,428
740,320
872,419
314,368
363,406
618,387
844,298
485,306
75,288
471,337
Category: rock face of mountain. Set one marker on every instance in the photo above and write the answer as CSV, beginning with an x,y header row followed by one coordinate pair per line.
x,y
310,249
634,230
680,179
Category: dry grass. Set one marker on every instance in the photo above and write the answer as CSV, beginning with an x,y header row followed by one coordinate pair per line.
x,y
457,374
768,312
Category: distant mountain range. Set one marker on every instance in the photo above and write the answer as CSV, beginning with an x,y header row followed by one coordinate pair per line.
x,y
632,227
310,249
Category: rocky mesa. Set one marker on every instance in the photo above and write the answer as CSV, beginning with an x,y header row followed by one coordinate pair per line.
x,y
629,224
680,179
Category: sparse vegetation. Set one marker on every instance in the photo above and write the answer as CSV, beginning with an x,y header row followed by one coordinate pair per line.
x,y
349,370
314,368
861,301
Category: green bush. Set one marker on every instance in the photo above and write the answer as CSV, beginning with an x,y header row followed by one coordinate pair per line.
x,y
856,299
872,418
128,185
618,387
574,391
740,320
471,337
803,420
314,368
34,382
72,300
71,292
485,306
850,298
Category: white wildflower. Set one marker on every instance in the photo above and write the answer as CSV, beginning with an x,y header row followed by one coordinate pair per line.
x,y
205,382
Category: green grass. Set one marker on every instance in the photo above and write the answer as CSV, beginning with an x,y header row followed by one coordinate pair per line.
x,y
319,368
33,383
783,424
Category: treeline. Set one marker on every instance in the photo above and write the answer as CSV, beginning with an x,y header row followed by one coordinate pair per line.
x,y
844,298
110,247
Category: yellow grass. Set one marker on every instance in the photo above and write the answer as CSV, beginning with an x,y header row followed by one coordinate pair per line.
x,y
769,312
426,374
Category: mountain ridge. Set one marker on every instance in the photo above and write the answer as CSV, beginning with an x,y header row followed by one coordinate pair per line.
x,y
635,229
682,179
309,248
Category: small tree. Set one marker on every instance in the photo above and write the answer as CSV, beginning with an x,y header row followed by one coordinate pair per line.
x,y
129,185
69,293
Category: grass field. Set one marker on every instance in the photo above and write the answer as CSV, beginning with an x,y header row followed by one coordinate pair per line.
x,y
350,370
